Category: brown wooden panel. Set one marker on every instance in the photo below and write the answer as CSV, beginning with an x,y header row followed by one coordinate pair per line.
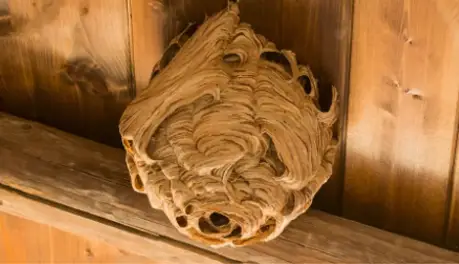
x,y
50,41
15,246
5,25
317,31
450,10
25,241
452,232
87,189
401,123
26,206
147,22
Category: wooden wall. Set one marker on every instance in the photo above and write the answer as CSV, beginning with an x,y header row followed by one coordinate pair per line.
x,y
394,62
402,119
63,57
24,241
69,62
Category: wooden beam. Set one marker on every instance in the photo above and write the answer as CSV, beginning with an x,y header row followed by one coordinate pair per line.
x,y
83,186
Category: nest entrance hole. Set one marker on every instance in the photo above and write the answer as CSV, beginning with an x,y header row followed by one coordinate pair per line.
x,y
182,221
305,82
237,231
279,59
218,219
205,227
138,184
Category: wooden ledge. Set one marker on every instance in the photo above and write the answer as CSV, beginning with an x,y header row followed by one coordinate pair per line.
x,y
83,187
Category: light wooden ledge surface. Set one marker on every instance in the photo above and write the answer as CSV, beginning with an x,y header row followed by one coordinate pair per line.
x,y
83,187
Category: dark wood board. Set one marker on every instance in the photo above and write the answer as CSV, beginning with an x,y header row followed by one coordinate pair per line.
x,y
40,38
402,115
90,180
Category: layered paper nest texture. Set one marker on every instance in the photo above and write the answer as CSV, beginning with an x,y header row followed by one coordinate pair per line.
x,y
228,139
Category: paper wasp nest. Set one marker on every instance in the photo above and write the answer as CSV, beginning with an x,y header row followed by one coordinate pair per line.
x,y
227,139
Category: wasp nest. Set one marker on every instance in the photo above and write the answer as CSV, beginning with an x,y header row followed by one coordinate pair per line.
x,y
228,139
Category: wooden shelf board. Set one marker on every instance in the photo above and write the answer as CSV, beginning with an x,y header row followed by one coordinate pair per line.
x,y
83,187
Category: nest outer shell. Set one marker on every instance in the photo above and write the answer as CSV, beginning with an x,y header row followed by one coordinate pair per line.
x,y
228,139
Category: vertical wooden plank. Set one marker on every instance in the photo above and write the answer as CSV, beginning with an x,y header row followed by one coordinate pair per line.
x,y
317,31
403,97
20,247
450,11
67,248
67,64
147,43
452,230
24,241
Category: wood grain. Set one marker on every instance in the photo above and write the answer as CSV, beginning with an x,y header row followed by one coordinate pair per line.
x,y
450,10
401,119
5,22
147,40
88,180
25,241
452,229
317,31
47,35
141,244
